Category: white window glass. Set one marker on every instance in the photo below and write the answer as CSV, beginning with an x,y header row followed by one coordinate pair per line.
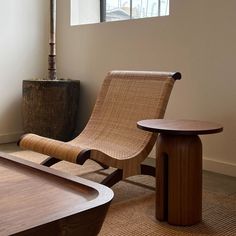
x,y
85,12
134,9
117,10
94,11
164,7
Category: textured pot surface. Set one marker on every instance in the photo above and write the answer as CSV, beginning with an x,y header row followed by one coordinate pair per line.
x,y
50,107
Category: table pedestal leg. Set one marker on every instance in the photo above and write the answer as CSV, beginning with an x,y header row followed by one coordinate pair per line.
x,y
161,182
179,179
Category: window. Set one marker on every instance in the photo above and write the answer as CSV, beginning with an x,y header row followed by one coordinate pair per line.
x,y
112,10
84,12
95,11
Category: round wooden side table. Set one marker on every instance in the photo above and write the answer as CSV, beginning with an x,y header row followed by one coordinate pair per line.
x,y
179,168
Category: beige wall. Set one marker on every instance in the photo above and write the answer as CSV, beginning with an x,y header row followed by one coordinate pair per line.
x,y
23,47
197,39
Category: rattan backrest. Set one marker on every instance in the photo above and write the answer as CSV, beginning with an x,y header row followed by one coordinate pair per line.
x,y
125,98
111,136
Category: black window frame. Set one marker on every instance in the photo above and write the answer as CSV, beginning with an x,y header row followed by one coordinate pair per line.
x,y
102,10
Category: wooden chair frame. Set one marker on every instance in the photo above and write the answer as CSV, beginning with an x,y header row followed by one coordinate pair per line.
x,y
111,137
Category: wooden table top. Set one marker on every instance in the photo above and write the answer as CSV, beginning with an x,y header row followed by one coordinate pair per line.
x,y
32,195
179,127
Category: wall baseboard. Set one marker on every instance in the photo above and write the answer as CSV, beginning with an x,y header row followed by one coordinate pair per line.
x,y
220,167
10,138
208,164
212,165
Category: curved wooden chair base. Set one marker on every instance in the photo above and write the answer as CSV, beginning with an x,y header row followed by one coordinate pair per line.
x,y
111,137
116,176
148,170
111,179
50,161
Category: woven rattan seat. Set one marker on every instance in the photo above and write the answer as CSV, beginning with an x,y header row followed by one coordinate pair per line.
x,y
111,136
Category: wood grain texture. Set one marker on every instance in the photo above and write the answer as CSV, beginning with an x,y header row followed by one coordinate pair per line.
x,y
179,168
161,182
37,200
180,127
183,179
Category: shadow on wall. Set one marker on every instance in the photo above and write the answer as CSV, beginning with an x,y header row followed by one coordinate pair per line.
x,y
86,101
11,121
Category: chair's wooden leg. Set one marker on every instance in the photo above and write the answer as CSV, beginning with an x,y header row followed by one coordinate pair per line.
x,y
83,156
148,170
113,178
50,161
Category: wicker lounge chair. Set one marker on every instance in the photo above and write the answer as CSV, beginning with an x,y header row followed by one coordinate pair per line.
x,y
111,137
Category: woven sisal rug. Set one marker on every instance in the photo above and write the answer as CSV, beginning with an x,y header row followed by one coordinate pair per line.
x,y
132,212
